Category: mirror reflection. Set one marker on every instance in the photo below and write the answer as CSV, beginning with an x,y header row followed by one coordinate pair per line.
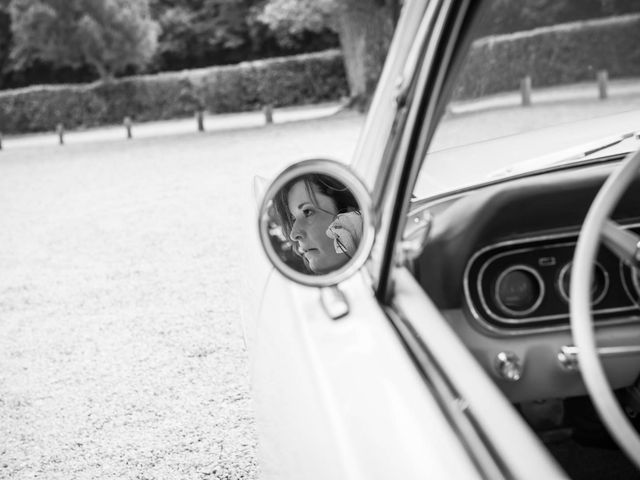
x,y
315,224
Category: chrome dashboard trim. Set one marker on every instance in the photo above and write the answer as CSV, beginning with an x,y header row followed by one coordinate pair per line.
x,y
506,320
568,355
491,328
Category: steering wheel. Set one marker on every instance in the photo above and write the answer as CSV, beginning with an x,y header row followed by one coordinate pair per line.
x,y
625,245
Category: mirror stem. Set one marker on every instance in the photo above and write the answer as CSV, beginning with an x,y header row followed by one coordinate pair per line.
x,y
334,302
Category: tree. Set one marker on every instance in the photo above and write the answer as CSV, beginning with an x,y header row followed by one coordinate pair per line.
x,y
202,32
109,35
364,27
197,33
289,19
5,36
176,42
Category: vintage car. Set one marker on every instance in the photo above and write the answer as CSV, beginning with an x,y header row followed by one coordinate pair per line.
x,y
479,316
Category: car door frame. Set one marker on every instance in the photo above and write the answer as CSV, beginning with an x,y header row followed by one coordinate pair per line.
x,y
493,433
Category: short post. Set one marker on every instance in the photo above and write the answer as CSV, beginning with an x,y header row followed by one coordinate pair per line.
x,y
525,91
60,131
0,140
603,84
127,125
268,113
200,120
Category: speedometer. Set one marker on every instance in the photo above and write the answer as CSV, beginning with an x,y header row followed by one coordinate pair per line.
x,y
599,283
519,290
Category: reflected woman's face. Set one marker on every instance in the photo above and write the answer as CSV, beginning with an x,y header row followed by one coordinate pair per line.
x,y
310,223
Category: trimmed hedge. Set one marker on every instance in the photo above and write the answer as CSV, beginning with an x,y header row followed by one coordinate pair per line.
x,y
308,78
561,54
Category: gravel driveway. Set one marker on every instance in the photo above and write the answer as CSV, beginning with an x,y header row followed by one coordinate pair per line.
x,y
120,343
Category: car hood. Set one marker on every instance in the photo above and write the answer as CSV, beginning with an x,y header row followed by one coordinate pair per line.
x,y
613,145
467,165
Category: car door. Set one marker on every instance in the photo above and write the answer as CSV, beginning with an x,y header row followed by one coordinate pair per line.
x,y
341,398
494,435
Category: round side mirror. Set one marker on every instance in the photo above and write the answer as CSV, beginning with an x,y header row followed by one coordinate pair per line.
x,y
316,223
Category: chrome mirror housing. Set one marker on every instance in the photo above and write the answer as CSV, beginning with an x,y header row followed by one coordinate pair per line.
x,y
316,223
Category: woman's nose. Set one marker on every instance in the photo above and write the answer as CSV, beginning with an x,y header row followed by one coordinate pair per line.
x,y
296,233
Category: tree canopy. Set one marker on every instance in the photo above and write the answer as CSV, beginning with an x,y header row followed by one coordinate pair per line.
x,y
215,32
364,28
289,19
45,37
109,35
202,32
78,40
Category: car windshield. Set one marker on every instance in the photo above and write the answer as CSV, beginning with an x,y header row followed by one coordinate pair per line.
x,y
543,83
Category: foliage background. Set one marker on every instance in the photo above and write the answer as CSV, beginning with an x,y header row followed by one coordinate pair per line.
x,y
122,52
313,78
549,56
190,34
202,33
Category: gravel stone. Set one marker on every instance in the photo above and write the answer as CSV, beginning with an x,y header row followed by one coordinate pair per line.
x,y
120,340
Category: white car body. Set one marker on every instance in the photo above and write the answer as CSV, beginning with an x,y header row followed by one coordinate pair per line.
x,y
347,398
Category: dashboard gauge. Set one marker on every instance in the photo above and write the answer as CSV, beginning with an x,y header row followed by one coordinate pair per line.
x,y
519,290
599,283
524,284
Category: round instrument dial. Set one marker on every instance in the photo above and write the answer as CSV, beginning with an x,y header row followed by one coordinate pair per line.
x,y
519,290
599,283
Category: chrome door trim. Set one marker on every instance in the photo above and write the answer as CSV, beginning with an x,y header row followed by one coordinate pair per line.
x,y
454,407
373,159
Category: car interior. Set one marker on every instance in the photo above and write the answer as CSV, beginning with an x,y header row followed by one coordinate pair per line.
x,y
497,262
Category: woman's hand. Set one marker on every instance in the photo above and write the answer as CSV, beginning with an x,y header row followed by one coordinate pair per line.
x,y
346,231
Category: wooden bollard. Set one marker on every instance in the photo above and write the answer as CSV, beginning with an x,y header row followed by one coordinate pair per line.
x,y
268,114
200,120
60,132
603,84
525,91
127,124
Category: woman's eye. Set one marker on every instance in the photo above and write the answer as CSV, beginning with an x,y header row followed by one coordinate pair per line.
x,y
307,212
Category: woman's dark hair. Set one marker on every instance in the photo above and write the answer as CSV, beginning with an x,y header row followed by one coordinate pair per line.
x,y
341,195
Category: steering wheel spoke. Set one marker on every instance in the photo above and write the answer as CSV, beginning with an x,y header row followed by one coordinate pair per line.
x,y
623,243
599,228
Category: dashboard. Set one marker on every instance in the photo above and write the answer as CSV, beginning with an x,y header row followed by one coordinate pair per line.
x,y
524,285
498,265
